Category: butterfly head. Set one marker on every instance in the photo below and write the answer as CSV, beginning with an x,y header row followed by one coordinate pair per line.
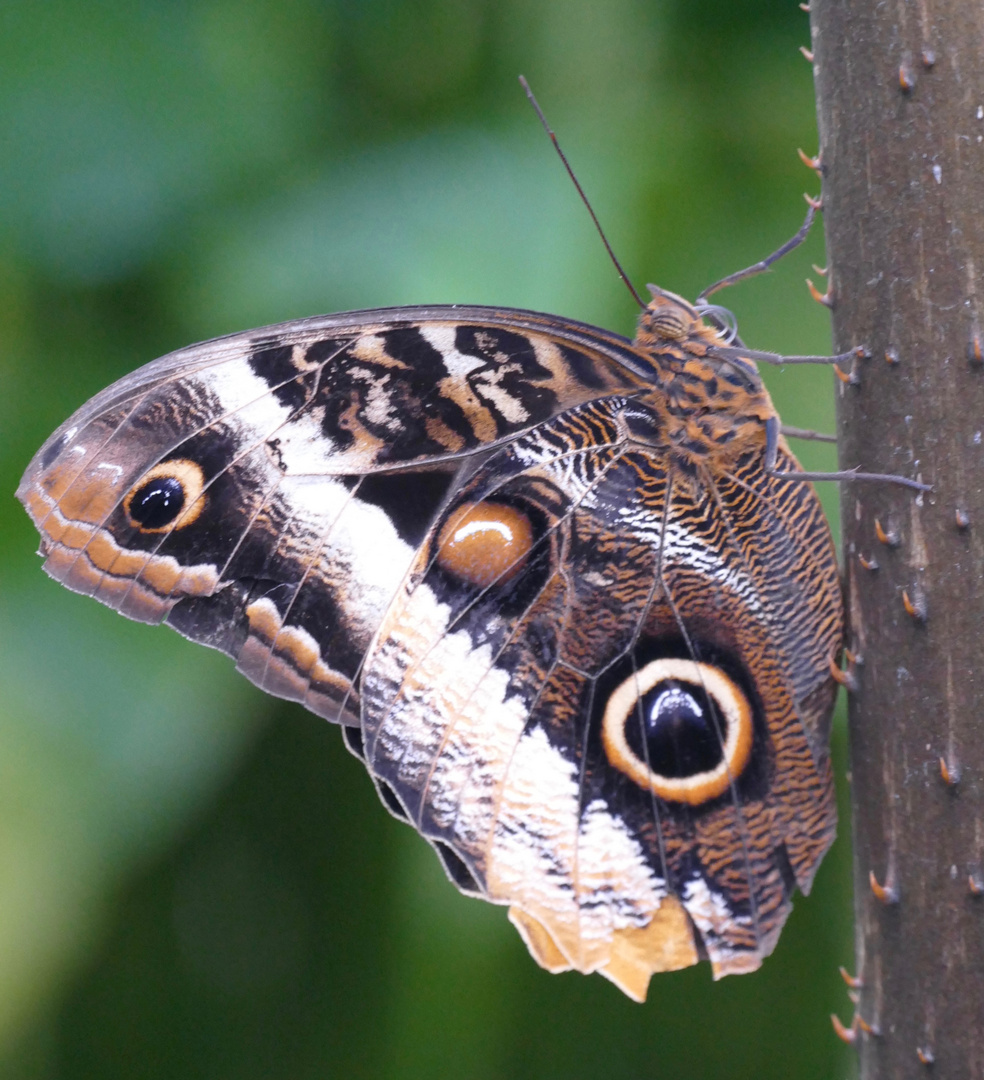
x,y
672,326
668,317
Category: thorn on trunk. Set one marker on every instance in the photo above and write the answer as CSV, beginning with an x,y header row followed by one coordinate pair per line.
x,y
868,1029
814,163
855,982
915,606
845,1034
890,537
825,298
848,377
844,677
885,894
950,773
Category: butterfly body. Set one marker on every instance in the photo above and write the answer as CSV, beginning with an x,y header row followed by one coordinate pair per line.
x,y
576,629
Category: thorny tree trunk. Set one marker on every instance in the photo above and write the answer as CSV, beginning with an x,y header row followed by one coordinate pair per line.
x,y
900,89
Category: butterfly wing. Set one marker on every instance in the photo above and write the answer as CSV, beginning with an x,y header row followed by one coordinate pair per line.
x,y
255,491
617,730
517,722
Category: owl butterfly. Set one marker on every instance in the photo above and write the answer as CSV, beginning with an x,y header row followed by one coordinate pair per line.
x,y
558,587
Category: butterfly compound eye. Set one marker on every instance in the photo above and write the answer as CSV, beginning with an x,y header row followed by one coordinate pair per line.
x,y
167,497
485,543
679,728
670,322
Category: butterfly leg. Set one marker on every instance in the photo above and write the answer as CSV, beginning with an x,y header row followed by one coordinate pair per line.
x,y
764,264
805,433
722,352
772,432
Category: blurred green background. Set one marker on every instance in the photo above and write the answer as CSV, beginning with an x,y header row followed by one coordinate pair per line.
x,y
197,880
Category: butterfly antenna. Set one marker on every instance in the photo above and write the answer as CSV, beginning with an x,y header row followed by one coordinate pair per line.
x,y
570,172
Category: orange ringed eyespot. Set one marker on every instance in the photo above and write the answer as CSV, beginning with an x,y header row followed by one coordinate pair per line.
x,y
484,543
167,497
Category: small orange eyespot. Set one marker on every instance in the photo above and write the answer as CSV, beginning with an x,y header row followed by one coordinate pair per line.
x,y
485,543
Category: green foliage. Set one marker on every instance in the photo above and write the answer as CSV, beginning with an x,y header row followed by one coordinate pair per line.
x,y
197,880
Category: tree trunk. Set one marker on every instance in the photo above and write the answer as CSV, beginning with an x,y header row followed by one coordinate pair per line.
x,y
900,91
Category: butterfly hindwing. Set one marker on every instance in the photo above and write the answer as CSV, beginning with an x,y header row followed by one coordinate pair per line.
x,y
486,705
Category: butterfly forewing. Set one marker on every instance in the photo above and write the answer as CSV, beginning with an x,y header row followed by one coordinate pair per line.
x,y
281,425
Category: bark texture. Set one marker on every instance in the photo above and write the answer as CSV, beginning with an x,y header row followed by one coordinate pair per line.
x,y
900,92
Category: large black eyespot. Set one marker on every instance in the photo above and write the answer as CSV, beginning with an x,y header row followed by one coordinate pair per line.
x,y
168,496
680,728
157,503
